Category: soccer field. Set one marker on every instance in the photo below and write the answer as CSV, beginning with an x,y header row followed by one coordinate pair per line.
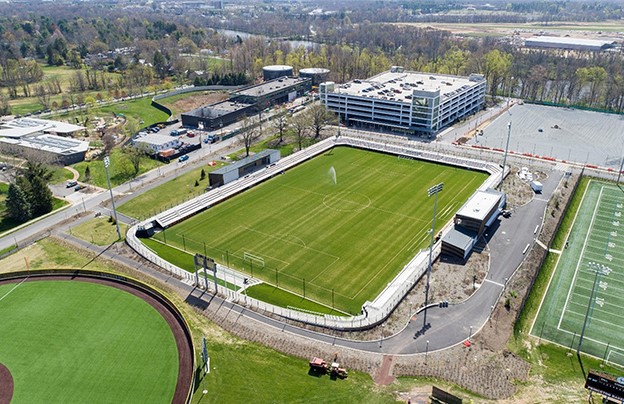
x,y
336,229
588,284
82,342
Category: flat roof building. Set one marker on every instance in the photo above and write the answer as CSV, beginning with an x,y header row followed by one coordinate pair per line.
x,y
218,115
407,101
51,148
569,43
243,167
31,126
155,142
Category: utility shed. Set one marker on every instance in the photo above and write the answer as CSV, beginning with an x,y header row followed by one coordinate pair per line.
x,y
243,167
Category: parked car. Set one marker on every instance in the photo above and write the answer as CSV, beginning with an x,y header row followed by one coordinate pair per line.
x,y
190,134
183,158
71,184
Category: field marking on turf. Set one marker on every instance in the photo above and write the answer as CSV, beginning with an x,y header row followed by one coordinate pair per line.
x,y
609,356
14,287
572,285
585,337
593,318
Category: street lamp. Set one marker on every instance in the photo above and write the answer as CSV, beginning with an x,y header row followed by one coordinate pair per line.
x,y
599,269
382,335
106,164
434,190
426,351
505,155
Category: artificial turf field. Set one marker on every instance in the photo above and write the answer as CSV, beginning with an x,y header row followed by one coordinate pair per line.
x,y
577,290
336,229
81,342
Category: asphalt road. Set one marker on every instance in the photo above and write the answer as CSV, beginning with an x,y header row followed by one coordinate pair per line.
x,y
448,326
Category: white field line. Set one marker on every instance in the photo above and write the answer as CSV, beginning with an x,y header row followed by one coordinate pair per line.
x,y
591,225
539,309
593,318
14,287
616,352
585,337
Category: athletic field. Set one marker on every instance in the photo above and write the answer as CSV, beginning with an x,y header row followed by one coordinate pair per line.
x,y
82,342
588,284
336,229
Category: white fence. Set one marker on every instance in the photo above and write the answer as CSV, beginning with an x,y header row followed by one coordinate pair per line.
x,y
373,312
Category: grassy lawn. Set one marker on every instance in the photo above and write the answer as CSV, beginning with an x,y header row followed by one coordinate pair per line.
x,y
60,174
80,342
120,169
337,224
99,231
168,194
238,367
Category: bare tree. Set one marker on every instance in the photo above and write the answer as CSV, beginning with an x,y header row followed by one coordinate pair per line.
x,y
280,122
108,140
301,125
43,96
320,117
135,153
250,131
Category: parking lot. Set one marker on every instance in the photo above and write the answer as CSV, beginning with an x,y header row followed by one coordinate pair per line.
x,y
563,133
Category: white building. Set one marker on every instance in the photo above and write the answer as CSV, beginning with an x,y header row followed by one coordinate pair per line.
x,y
155,142
17,128
569,43
408,101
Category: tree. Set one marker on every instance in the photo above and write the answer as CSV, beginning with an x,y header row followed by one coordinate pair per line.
x,y
320,117
108,140
135,154
40,196
300,124
160,64
202,175
280,122
5,107
87,174
17,204
250,131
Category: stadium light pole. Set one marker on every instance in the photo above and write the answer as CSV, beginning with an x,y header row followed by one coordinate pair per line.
x,y
434,190
599,269
505,155
106,164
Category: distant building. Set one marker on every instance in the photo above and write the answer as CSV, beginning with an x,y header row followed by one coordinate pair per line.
x,y
49,148
44,139
245,102
154,142
406,101
569,43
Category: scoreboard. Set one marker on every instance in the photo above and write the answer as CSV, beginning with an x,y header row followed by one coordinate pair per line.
x,y
605,384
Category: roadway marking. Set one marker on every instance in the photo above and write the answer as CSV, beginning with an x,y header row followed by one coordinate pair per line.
x,y
495,283
540,199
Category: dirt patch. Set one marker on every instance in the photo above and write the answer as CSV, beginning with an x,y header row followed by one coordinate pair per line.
x,y
6,385
383,376
196,101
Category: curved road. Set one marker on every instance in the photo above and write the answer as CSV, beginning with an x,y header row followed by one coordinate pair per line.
x,y
448,326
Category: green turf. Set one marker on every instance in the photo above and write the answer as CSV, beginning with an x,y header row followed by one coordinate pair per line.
x,y
72,341
594,238
350,237
169,194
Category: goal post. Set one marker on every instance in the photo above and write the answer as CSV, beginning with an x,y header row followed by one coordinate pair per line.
x,y
252,257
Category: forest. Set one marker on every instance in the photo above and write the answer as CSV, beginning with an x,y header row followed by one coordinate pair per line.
x,y
126,49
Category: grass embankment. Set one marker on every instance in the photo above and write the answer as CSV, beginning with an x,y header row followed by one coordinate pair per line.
x,y
169,194
99,231
120,169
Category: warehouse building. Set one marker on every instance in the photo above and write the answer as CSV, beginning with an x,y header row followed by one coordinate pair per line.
x,y
246,102
568,43
49,148
243,167
410,102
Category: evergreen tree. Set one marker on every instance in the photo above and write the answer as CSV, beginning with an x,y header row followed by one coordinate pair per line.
x,y
40,197
17,204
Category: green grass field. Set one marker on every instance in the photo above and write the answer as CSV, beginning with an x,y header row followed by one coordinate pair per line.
x,y
72,341
337,240
577,290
